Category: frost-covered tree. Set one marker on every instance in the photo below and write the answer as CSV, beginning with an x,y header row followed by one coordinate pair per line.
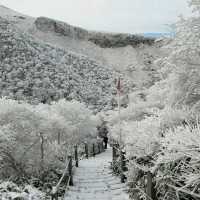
x,y
80,123
182,64
36,139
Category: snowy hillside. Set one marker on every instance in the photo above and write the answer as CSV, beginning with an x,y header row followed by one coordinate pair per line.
x,y
58,97
48,60
117,51
129,54
37,72
22,21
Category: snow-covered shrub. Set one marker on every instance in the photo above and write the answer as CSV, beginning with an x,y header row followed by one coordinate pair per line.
x,y
36,139
181,66
142,138
79,118
9,190
170,118
150,143
20,124
143,127
178,162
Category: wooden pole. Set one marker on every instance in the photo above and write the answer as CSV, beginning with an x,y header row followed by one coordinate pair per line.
x,y
42,151
122,167
93,149
76,154
119,110
70,171
149,187
54,196
114,153
102,146
114,156
99,148
86,150
58,138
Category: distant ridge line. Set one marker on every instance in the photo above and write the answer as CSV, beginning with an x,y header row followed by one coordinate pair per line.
x,y
157,35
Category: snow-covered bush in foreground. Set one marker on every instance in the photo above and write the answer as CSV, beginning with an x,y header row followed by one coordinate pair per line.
x,y
9,190
79,118
36,139
178,163
144,131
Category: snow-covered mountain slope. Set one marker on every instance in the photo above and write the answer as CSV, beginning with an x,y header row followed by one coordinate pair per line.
x,y
22,21
119,51
44,59
38,72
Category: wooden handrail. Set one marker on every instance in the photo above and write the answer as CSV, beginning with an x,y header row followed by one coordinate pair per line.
x,y
54,192
69,167
65,171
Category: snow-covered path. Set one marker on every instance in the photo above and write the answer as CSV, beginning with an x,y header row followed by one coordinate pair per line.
x,y
93,180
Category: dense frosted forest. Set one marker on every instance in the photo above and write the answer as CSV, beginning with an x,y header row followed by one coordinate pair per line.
x,y
53,98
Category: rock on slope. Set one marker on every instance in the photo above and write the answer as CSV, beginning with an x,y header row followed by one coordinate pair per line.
x,y
38,72
104,40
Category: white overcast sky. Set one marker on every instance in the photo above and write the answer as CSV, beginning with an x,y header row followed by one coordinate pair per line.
x,y
131,16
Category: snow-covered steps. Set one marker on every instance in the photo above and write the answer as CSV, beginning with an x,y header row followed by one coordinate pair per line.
x,y
93,180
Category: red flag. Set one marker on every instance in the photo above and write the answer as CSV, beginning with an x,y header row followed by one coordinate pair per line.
x,y
119,85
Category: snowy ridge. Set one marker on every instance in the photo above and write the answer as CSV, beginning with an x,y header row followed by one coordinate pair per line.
x,y
23,22
94,180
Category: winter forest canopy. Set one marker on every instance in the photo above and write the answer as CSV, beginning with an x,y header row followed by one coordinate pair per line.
x,y
58,96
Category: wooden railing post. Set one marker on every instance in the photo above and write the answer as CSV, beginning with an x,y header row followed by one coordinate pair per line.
x,y
42,151
114,153
122,166
102,146
76,154
99,147
54,196
86,150
70,171
149,186
93,150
